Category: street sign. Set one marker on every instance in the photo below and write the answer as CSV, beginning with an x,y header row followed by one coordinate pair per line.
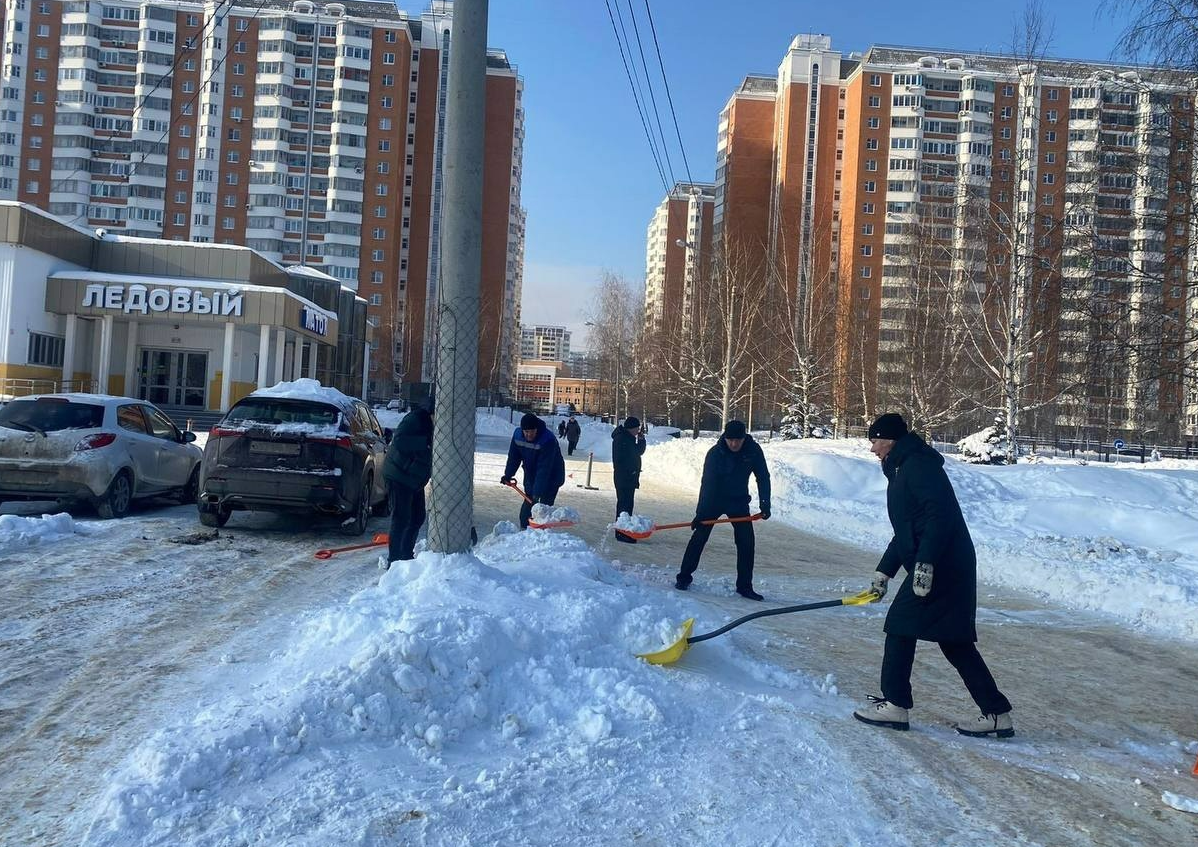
x,y
1119,444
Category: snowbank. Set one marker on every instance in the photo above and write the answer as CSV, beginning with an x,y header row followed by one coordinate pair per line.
x,y
18,532
1119,539
306,389
493,700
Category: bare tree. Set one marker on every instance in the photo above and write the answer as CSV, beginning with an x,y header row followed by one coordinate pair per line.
x,y
614,318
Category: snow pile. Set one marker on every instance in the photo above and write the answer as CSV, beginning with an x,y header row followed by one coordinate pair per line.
x,y
17,531
497,423
306,389
493,700
1119,539
388,418
634,523
987,447
544,514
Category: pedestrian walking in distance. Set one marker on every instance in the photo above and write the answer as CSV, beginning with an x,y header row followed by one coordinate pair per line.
x,y
534,447
725,491
627,447
407,469
573,433
938,598
561,429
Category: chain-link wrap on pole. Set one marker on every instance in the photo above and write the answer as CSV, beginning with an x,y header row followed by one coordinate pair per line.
x,y
451,507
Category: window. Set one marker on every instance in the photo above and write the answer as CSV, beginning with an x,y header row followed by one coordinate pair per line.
x,y
230,178
1050,158
1008,91
386,102
871,144
873,123
875,102
389,36
379,233
46,350
376,277
1050,136
867,208
233,157
867,229
381,189
227,223
376,299
867,272
388,58
388,80
383,168
239,69
180,219
230,201
380,211
129,417
875,80
1052,116
376,256
384,123
1049,179
1054,94
43,30
870,186
867,250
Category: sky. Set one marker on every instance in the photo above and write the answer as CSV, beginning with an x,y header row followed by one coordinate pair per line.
x,y
590,185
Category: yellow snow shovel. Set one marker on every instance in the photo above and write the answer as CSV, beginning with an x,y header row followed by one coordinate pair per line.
x,y
674,652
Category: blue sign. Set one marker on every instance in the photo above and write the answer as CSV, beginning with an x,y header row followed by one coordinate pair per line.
x,y
1119,444
313,321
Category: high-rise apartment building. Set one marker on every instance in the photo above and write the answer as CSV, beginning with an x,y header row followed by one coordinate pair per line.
x,y
677,251
310,132
896,192
544,343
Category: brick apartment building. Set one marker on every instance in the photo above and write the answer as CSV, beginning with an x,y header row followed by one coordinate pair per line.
x,y
842,166
310,132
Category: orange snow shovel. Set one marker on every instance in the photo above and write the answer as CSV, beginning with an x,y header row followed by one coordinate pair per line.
x,y
669,655
378,541
531,523
631,533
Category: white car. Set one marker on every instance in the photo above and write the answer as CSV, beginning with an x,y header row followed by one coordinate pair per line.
x,y
93,448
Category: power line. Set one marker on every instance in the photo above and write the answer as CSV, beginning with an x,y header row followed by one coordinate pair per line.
x,y
636,98
669,98
142,102
665,147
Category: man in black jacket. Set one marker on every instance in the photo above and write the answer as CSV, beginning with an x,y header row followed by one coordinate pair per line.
x,y
407,470
725,491
938,599
573,433
627,447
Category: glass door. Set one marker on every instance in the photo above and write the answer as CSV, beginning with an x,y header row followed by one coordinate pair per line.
x,y
156,376
193,378
174,378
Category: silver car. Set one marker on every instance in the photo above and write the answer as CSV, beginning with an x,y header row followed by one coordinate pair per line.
x,y
92,448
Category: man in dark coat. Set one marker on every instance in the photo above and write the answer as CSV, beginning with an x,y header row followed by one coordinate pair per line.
x,y
573,433
534,447
407,469
561,429
627,447
938,598
725,491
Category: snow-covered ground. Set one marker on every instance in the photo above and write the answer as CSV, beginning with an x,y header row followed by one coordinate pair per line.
x,y
1119,539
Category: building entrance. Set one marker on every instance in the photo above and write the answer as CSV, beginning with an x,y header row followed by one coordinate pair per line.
x,y
174,378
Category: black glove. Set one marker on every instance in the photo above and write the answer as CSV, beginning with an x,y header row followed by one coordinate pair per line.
x,y
506,480
696,523
765,511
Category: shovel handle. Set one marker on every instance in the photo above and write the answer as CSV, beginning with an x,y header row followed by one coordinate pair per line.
x,y
862,598
378,541
516,488
712,522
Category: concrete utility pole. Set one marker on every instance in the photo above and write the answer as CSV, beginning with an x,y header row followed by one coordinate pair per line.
x,y
451,507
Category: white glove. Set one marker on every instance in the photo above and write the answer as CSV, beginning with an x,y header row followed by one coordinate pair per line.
x,y
878,585
921,583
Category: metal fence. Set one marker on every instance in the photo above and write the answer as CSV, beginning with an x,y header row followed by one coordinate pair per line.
x,y
11,387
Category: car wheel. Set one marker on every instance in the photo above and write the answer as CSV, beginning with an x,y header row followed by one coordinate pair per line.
x,y
215,515
190,492
118,498
361,514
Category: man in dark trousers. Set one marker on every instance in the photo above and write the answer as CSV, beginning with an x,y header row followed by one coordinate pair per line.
x,y
534,447
407,469
725,491
938,598
627,447
573,433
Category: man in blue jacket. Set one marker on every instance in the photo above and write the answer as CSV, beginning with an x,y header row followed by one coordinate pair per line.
x,y
534,446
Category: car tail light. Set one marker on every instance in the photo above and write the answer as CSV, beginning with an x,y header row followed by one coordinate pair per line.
x,y
341,441
96,441
222,432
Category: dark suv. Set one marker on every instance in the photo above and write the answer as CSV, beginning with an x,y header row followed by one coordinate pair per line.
x,y
295,454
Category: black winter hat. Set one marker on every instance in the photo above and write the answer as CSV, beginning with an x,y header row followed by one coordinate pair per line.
x,y
632,423
890,425
530,421
734,429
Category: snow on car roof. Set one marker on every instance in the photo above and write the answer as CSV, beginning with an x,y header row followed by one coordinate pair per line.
x,y
307,389
81,397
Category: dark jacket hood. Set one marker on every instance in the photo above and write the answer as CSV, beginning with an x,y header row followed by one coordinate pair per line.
x,y
415,422
906,447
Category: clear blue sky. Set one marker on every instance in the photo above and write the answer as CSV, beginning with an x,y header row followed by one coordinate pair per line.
x,y
590,184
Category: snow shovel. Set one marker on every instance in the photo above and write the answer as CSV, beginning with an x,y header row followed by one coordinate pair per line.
x,y
531,523
631,533
674,652
378,541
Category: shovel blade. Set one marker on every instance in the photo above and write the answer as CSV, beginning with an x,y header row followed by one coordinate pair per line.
x,y
674,652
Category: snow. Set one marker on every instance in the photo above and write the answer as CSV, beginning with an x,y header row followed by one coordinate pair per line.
x,y
17,531
388,418
306,389
595,435
1117,539
544,514
634,523
1182,804
498,696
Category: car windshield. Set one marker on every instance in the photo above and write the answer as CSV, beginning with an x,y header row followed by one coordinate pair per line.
x,y
270,411
50,415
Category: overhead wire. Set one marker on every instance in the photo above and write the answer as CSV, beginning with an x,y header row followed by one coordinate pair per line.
x,y
636,98
669,98
665,147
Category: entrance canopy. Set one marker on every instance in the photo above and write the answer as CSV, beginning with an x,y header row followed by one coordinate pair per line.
x,y
187,301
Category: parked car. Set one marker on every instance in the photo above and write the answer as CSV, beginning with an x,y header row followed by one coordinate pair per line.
x,y
321,452
91,448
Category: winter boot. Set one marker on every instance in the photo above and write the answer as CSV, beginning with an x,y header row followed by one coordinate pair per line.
x,y
682,583
999,726
626,539
881,712
749,594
